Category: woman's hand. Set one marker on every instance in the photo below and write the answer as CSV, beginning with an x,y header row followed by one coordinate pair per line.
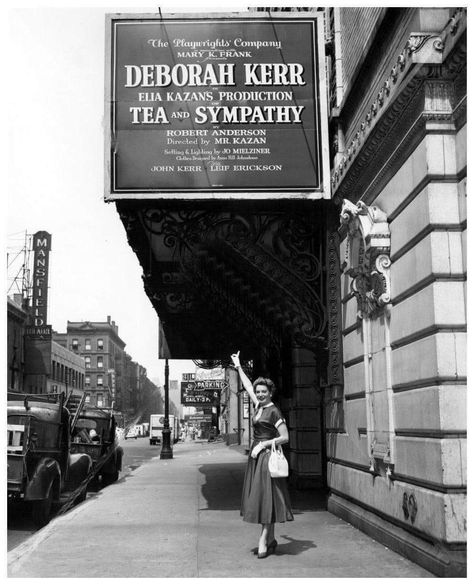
x,y
236,359
256,450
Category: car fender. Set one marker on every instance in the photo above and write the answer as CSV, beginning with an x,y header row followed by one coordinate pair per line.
x,y
114,460
46,472
80,465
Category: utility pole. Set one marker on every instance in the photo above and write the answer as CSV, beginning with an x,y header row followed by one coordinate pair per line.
x,y
166,450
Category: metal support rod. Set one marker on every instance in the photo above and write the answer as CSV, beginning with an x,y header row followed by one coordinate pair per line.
x,y
166,450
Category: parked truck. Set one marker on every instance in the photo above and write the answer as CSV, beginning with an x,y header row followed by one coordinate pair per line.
x,y
42,469
157,422
103,446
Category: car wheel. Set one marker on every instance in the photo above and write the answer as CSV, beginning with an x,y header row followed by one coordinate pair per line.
x,y
41,509
109,478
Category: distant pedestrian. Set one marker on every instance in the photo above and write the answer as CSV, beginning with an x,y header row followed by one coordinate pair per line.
x,y
265,500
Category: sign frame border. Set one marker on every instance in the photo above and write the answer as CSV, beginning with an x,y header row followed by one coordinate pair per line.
x,y
324,192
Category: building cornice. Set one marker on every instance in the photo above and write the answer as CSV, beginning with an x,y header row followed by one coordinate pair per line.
x,y
399,95
94,328
15,310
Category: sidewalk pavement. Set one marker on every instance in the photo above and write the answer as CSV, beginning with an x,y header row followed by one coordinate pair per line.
x,y
180,518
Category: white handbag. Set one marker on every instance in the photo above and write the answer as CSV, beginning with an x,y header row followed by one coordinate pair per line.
x,y
277,463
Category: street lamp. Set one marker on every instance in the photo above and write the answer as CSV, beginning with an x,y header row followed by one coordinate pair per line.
x,y
166,450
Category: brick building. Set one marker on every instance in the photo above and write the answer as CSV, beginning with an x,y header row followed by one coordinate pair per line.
x,y
99,344
43,366
17,317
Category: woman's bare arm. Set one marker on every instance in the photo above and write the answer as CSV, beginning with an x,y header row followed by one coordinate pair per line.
x,y
247,384
281,439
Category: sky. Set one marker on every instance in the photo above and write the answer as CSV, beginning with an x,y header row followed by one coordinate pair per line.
x,y
56,174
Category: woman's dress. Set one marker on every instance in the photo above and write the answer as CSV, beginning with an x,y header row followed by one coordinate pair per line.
x,y
265,499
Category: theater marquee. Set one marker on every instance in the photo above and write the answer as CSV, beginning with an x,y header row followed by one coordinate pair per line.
x,y
215,105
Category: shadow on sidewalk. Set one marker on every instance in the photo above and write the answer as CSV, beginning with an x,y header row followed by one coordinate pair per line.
x,y
290,546
223,486
307,500
222,490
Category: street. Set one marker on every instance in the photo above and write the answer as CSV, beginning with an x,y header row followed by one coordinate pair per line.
x,y
20,524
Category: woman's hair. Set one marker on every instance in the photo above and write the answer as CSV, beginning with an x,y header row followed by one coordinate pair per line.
x,y
265,382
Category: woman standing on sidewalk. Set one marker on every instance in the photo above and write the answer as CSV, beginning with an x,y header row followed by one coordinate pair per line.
x,y
265,500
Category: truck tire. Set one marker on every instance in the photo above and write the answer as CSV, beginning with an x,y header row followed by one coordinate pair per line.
x,y
41,509
109,478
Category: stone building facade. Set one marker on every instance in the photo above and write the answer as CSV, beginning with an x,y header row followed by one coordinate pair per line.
x,y
396,443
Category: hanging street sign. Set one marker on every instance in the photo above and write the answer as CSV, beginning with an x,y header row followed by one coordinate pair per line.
x,y
202,392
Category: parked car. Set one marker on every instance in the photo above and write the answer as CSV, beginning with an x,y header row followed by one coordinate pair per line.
x,y
42,470
94,433
132,433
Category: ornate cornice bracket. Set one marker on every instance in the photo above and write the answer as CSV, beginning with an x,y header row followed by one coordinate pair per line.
x,y
367,259
432,48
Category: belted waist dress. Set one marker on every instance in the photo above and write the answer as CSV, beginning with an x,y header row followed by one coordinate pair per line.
x,y
265,499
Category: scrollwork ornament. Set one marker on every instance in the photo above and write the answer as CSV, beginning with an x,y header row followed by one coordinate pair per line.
x,y
369,261
439,43
417,41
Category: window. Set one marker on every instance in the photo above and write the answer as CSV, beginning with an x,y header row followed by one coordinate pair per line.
x,y
100,400
88,344
75,344
100,380
87,381
100,344
88,398
88,362
100,361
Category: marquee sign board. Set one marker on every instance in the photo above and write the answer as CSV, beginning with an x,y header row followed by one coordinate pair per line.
x,y
218,104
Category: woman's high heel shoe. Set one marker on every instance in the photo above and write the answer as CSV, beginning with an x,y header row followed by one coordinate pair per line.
x,y
272,547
